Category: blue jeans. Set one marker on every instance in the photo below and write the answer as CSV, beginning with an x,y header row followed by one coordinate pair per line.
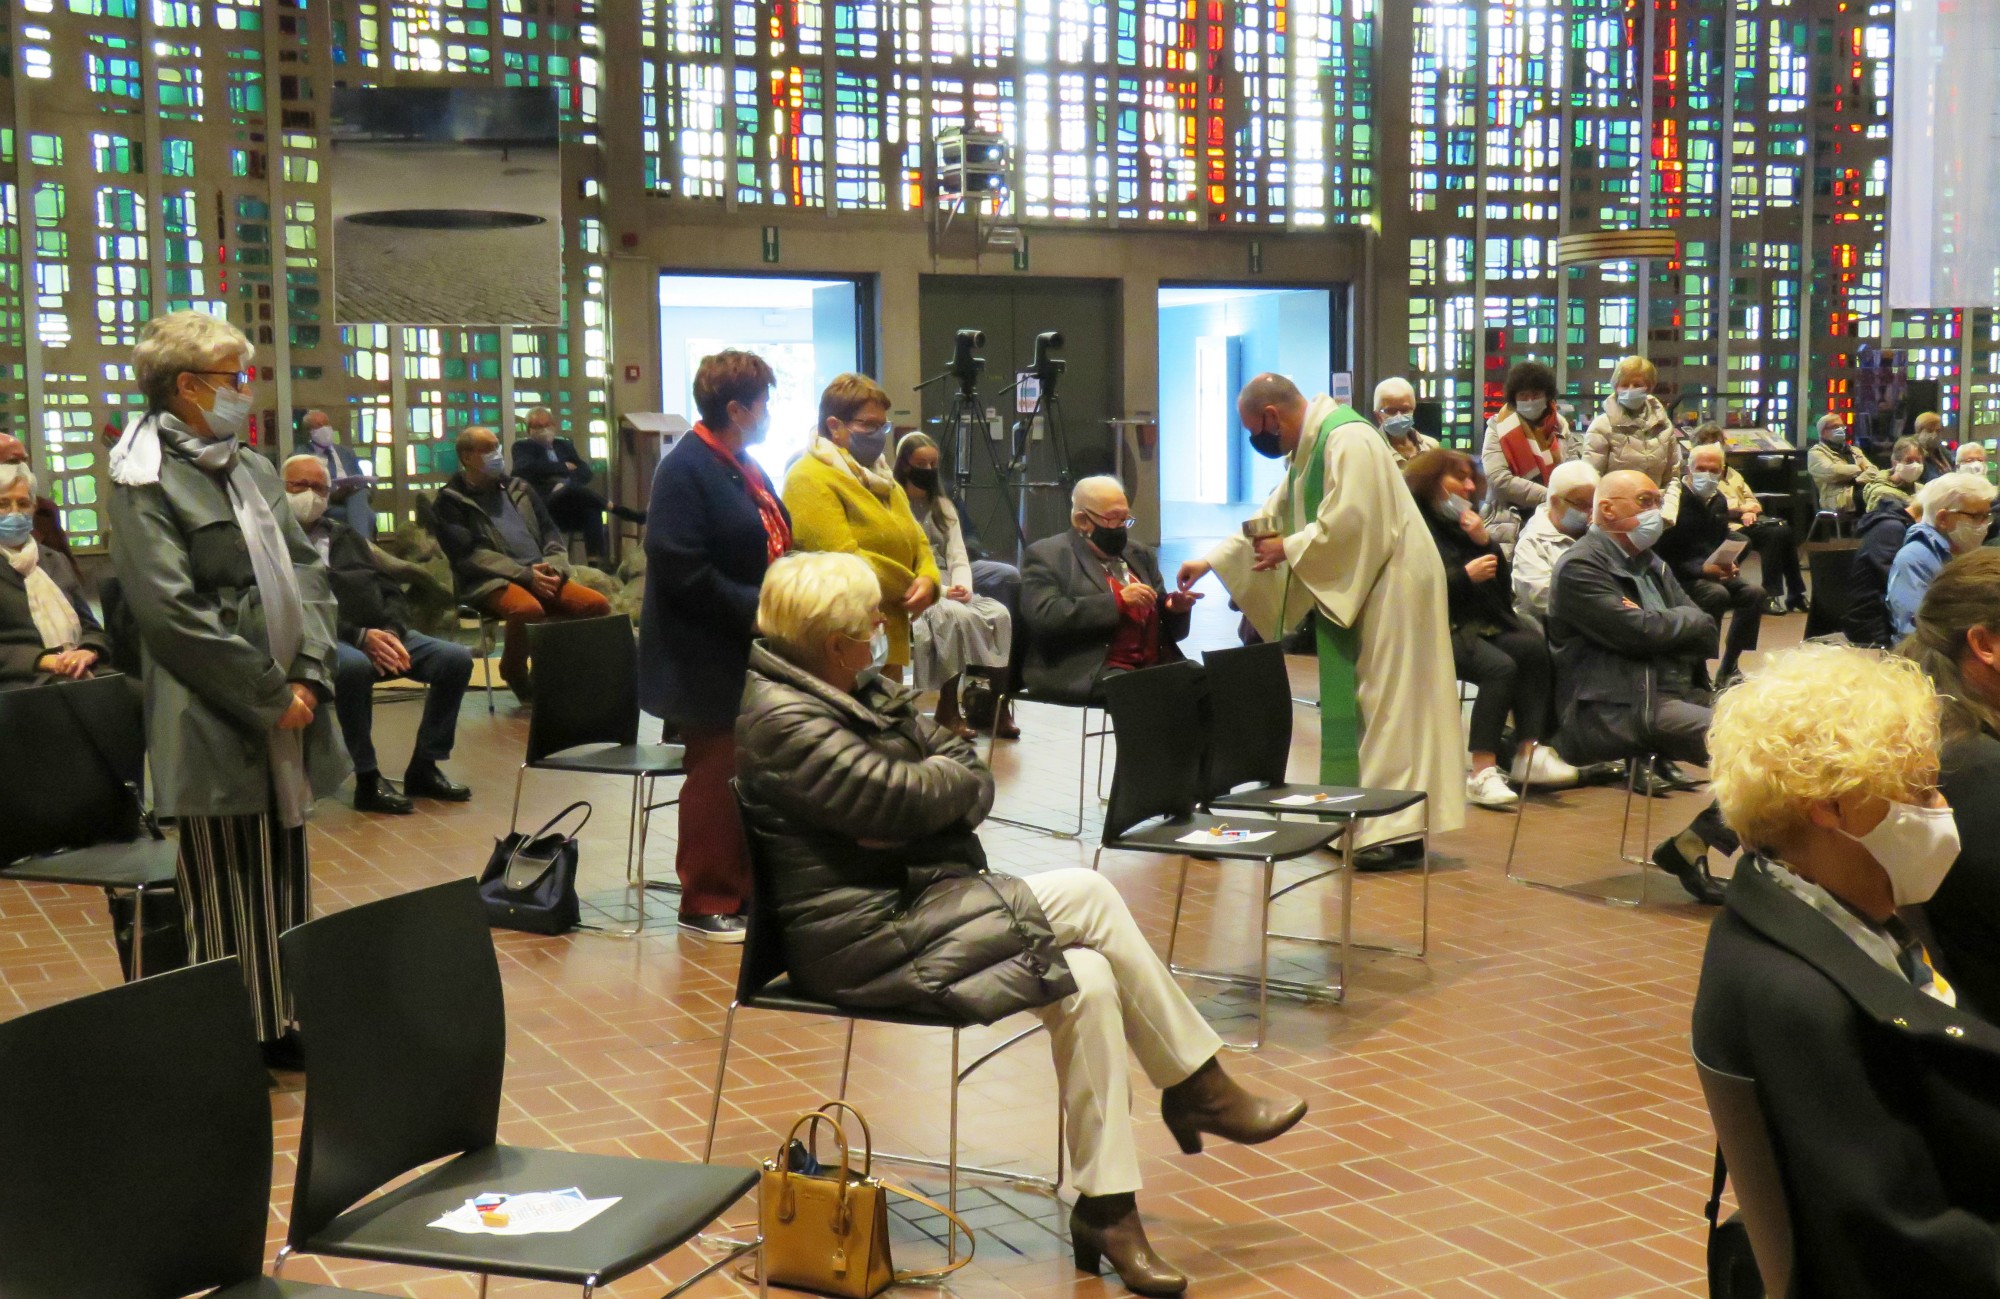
x,y
444,666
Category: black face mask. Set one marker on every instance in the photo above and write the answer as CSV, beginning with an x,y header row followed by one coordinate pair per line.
x,y
1109,540
1265,443
924,480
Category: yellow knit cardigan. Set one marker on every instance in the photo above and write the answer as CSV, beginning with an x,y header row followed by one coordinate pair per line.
x,y
833,510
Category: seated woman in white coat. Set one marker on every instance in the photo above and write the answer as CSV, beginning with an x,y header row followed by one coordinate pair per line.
x,y
963,630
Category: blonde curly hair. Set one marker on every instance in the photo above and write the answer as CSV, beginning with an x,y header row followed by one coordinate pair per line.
x,y
1819,722
814,595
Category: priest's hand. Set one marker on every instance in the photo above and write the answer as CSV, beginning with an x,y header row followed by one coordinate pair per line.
x,y
1483,569
1193,571
1180,601
1270,554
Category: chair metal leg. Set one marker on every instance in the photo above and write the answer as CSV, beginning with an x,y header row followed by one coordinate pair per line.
x,y
514,816
1082,770
483,1279
953,1166
1520,809
1633,768
846,1059
1174,930
138,933
721,1071
278,1263
1264,955
951,1237
1096,857
1347,897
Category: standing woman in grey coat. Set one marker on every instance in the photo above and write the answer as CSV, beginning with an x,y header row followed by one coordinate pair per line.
x,y
236,618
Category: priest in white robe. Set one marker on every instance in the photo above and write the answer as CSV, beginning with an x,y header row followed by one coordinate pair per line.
x,y
1353,549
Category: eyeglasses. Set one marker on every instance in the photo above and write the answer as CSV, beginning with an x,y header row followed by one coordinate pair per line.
x,y
314,488
237,378
1101,522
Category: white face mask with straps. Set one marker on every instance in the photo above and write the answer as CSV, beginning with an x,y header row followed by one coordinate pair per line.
x,y
1915,847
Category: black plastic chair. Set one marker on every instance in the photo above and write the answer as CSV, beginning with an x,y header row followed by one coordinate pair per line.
x,y
405,1033
1639,763
763,983
1831,564
1249,750
73,812
586,719
149,1102
1024,695
1156,787
1745,1139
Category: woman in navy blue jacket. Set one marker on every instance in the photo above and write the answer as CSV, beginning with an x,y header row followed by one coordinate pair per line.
x,y
715,524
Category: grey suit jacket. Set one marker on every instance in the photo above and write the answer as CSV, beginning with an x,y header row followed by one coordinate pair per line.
x,y
20,643
1070,615
213,693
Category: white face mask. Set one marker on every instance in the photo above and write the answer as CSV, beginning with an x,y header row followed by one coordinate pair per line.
x,y
1967,534
1632,399
1915,847
229,417
544,434
322,436
1907,472
306,507
1533,409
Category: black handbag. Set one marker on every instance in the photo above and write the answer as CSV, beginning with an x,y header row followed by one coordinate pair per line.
x,y
530,880
1732,1267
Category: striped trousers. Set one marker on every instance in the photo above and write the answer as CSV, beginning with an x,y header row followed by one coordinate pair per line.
x,y
244,880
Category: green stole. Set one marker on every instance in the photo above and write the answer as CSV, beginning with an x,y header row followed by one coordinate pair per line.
x,y
1338,647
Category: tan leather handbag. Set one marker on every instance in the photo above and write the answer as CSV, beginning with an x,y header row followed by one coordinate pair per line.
x,y
830,1234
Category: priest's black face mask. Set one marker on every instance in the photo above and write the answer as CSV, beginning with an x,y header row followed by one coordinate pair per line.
x,y
1264,441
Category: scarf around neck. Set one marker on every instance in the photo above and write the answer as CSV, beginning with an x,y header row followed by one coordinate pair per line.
x,y
277,589
777,527
827,452
55,618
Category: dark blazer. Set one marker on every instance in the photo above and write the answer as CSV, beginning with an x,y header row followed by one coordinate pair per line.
x,y
480,561
369,599
547,467
1614,664
706,552
1070,614
1881,531
1965,912
1883,1104
1697,530
1487,605
20,644
919,927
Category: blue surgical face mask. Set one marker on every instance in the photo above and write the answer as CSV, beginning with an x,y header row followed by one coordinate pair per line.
x,y
495,465
1573,522
229,418
1451,507
878,658
1703,482
1652,525
1632,399
15,529
1532,409
1398,427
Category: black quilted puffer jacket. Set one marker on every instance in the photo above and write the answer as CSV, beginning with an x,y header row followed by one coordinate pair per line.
x,y
914,921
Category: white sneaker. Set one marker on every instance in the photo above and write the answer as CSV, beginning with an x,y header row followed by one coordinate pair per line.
x,y
1546,771
1488,788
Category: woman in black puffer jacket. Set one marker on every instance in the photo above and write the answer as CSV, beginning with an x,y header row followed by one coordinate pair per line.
x,y
861,814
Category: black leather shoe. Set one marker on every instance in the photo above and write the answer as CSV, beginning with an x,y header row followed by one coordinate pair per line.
x,y
429,782
371,795
1799,604
1693,875
1776,608
1670,774
1391,856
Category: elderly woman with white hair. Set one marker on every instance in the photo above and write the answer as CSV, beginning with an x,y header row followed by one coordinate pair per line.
x,y
1396,416
46,627
1972,458
864,817
236,614
1957,513
1881,1094
1552,530
1633,431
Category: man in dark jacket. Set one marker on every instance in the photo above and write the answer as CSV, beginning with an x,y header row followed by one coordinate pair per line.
x,y
507,556
561,476
1628,643
1095,603
375,643
1881,532
1701,526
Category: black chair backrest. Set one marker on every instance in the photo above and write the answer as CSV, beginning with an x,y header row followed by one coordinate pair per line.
x,y
1158,772
136,1128
763,933
1753,1169
405,1031
1832,567
1249,717
586,684
64,794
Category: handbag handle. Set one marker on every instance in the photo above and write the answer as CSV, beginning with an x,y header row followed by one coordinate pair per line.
x,y
867,1137
547,826
843,1218
938,1273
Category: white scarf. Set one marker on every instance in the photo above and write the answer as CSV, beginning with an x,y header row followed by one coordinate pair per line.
x,y
828,452
55,617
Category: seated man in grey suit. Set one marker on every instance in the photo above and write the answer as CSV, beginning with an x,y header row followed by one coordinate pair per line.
x,y
1093,602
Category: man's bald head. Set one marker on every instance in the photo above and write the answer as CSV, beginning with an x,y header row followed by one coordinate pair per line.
x,y
1101,495
475,444
12,452
1273,404
1622,496
316,419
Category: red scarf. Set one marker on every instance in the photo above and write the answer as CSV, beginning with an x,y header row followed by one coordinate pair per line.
x,y
1522,453
777,529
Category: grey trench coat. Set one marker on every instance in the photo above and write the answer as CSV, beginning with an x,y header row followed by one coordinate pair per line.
x,y
213,693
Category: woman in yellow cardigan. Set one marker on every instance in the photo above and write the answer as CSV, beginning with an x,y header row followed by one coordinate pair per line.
x,y
842,498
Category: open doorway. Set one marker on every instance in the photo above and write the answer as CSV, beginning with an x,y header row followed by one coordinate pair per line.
x,y
1213,339
809,330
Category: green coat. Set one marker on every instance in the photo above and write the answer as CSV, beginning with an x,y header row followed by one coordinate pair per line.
x,y
213,693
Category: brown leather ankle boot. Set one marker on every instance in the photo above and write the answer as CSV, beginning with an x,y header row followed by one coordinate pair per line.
x,y
1209,1100
1108,1226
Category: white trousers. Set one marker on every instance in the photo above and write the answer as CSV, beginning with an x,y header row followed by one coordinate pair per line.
x,y
1125,997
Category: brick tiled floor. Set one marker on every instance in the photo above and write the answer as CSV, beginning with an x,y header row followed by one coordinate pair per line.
x,y
1515,1115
